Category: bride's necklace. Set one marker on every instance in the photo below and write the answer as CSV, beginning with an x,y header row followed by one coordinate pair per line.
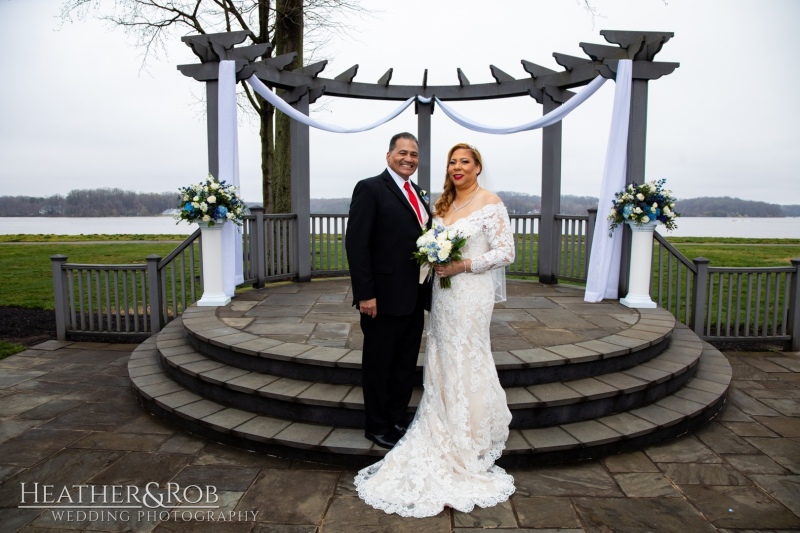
x,y
456,208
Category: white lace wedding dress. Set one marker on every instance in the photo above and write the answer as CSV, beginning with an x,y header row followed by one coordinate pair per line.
x,y
447,456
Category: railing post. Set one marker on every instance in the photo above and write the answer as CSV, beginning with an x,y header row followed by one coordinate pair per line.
x,y
794,308
60,294
589,238
257,251
154,293
699,292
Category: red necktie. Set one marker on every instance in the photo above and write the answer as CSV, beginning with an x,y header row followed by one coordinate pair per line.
x,y
413,199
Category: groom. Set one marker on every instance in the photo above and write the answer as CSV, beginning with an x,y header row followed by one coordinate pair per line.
x,y
387,215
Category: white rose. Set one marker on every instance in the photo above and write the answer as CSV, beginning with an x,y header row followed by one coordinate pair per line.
x,y
215,186
206,218
640,197
195,205
431,258
447,246
230,215
196,199
667,210
203,207
442,255
212,199
185,197
613,212
421,241
637,210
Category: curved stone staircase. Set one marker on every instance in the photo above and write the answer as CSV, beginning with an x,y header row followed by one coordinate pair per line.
x,y
289,384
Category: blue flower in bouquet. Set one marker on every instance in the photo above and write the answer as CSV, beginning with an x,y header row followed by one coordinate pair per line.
x,y
642,204
211,201
439,246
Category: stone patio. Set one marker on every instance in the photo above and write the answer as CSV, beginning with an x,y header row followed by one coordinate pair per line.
x,y
70,418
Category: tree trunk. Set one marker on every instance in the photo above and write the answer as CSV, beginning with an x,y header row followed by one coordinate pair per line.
x,y
266,114
288,38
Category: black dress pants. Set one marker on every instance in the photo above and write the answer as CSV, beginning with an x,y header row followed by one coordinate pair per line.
x,y
389,360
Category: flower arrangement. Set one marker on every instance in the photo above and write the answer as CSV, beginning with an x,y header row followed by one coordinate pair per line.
x,y
211,201
642,204
439,246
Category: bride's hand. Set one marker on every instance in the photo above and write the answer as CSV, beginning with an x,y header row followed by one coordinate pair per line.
x,y
451,269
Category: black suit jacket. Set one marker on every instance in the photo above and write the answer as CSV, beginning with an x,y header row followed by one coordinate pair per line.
x,y
382,230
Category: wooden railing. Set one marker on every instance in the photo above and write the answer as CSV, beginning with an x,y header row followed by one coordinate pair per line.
x,y
758,304
728,304
126,300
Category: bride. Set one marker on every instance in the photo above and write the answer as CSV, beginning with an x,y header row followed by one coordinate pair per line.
x,y
447,456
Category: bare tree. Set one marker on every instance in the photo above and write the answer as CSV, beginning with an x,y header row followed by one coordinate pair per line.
x,y
287,24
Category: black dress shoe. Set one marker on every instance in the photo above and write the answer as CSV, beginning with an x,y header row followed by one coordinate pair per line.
x,y
400,429
387,440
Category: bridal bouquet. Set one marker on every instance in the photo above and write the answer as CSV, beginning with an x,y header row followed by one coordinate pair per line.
x,y
439,246
643,203
211,201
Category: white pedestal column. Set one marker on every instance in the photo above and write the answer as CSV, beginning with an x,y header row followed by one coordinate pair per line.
x,y
213,288
641,266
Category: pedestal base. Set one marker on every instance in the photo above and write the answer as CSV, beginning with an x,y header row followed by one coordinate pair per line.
x,y
638,301
213,285
213,300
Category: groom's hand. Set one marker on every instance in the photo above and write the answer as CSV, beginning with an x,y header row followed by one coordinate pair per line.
x,y
369,307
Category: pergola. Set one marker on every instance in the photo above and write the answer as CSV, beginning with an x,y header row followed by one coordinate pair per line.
x,y
551,88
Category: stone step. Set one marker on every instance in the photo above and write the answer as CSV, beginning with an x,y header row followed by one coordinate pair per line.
x,y
212,336
533,406
689,407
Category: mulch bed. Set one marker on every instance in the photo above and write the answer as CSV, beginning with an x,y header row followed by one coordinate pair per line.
x,y
27,326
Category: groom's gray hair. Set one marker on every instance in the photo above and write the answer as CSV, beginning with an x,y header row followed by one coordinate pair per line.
x,y
404,135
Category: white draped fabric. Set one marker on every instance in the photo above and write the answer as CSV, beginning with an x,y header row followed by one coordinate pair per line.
x,y
549,119
603,276
228,151
293,113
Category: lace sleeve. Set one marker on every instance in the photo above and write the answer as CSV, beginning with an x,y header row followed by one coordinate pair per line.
x,y
497,228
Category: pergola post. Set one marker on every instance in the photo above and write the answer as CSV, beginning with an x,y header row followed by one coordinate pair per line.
x,y
637,145
212,126
301,189
549,228
424,112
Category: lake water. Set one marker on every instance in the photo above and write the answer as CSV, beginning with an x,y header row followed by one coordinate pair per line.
x,y
753,228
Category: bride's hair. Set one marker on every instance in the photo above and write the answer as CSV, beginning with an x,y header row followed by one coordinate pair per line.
x,y
449,194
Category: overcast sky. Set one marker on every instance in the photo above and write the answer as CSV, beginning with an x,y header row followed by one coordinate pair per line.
x,y
76,110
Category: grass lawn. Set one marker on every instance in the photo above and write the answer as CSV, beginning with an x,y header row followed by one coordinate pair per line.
x,y
26,272
754,254
9,348
26,275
